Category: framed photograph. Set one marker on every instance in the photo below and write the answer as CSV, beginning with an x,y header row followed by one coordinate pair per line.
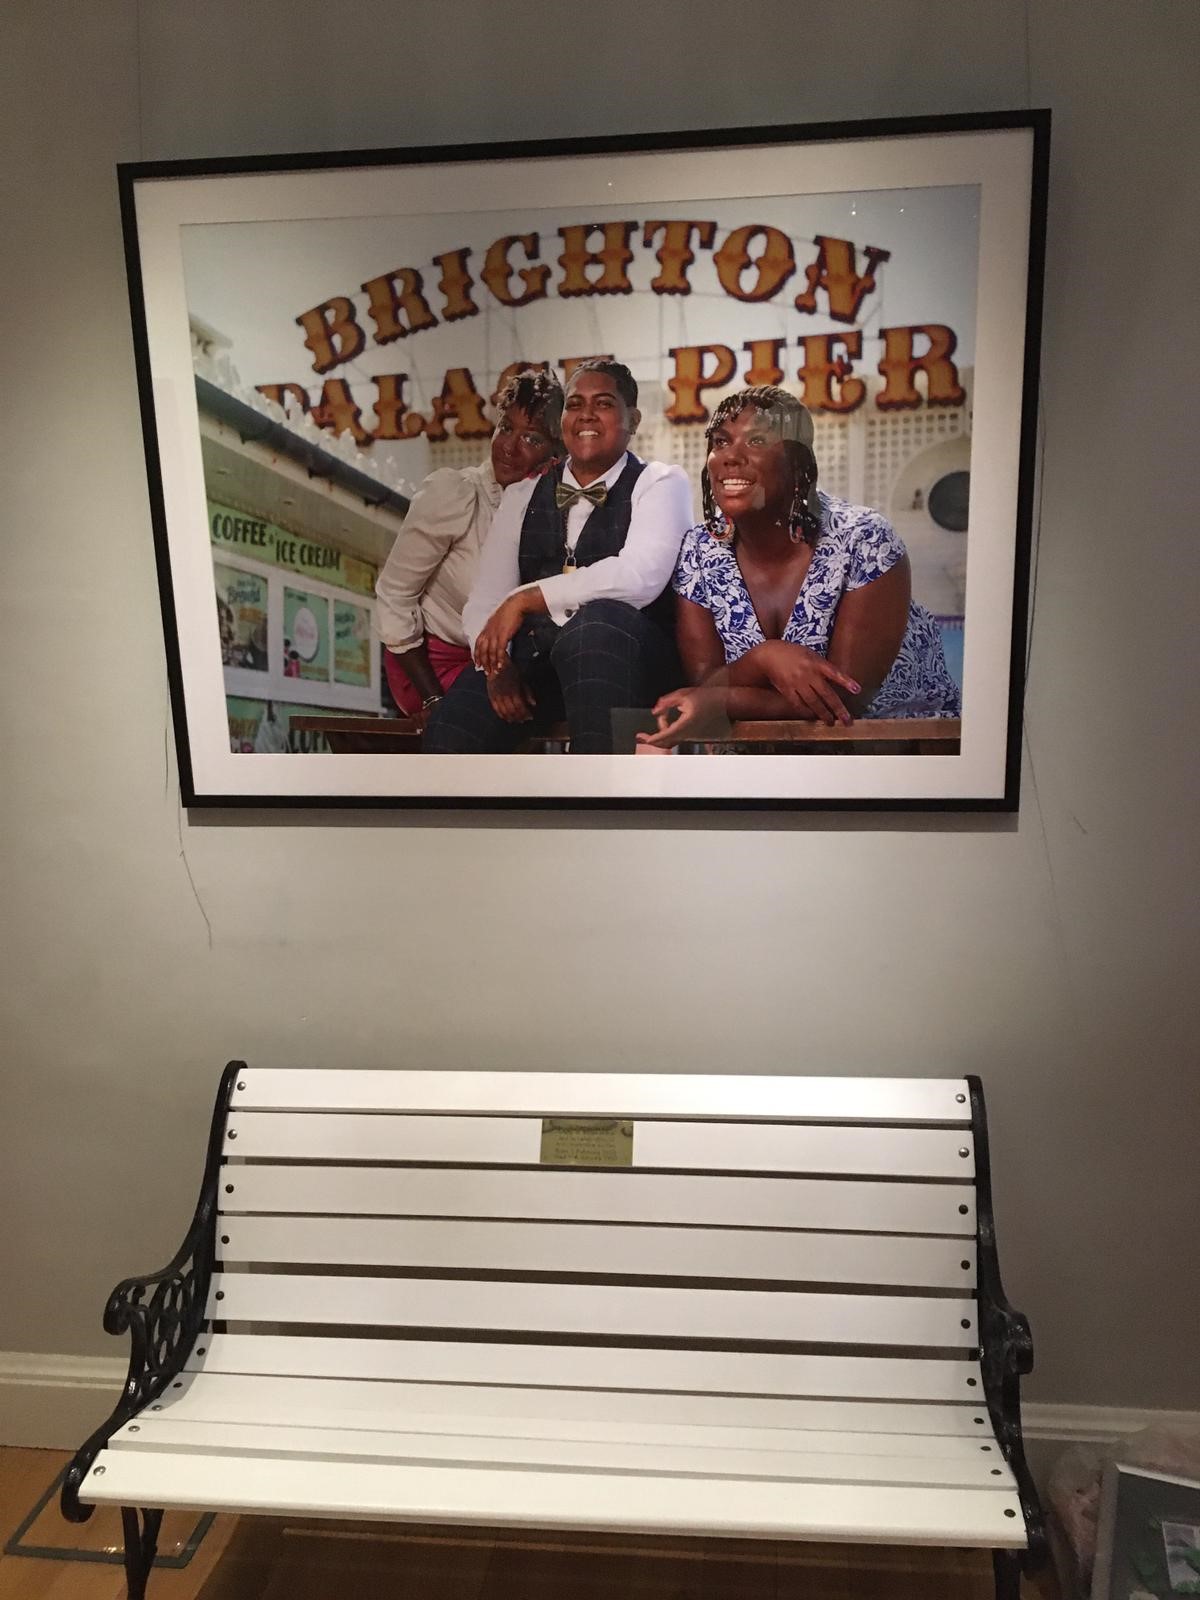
x,y
1148,1536
459,497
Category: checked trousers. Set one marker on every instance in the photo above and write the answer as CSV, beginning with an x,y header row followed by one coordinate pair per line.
x,y
609,656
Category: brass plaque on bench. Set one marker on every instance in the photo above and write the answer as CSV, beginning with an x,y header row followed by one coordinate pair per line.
x,y
586,1142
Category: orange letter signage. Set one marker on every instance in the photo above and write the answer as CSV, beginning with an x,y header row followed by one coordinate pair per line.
x,y
455,284
821,367
393,294
277,391
675,255
764,361
461,400
774,266
690,379
899,366
835,271
613,257
498,270
393,420
332,333
337,411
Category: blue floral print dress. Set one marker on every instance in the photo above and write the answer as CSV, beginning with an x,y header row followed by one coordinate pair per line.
x,y
856,545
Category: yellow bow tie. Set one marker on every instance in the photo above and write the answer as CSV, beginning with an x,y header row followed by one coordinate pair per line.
x,y
564,496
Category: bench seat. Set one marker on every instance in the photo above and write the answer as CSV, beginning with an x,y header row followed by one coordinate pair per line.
x,y
565,1497
767,1308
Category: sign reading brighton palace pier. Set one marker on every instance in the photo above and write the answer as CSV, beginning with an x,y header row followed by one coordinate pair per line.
x,y
754,264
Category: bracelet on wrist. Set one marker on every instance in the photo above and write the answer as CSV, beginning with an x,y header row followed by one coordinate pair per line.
x,y
430,700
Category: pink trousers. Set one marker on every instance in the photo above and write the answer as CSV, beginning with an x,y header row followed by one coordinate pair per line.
x,y
447,661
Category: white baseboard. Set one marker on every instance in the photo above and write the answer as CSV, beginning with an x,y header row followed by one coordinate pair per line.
x,y
1097,1424
54,1402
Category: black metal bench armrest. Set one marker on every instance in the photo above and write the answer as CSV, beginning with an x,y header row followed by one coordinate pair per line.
x,y
163,1313
1005,1340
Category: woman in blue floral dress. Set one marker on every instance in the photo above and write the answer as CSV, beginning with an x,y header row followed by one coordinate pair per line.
x,y
793,604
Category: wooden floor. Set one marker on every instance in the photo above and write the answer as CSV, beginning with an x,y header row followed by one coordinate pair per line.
x,y
261,1558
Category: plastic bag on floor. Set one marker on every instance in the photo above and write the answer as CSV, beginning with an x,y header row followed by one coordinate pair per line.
x,y
1074,1488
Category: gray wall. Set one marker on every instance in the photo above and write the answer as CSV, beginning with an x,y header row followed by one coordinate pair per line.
x,y
1055,957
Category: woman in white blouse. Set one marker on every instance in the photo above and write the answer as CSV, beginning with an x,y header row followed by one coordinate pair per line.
x,y
428,575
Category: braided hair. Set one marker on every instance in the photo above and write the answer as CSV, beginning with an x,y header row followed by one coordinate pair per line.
x,y
792,422
540,396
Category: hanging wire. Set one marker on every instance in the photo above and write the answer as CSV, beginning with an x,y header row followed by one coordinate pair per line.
x,y
1035,534
187,867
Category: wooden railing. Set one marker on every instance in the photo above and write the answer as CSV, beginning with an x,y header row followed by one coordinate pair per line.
x,y
938,736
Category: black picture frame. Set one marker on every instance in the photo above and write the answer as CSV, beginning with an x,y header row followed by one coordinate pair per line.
x,y
166,206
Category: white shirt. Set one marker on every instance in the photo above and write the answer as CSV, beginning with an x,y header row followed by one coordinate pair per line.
x,y
428,575
659,516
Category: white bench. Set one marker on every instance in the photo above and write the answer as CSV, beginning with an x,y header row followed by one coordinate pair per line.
x,y
782,1319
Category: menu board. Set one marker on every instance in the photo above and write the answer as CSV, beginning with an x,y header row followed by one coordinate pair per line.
x,y
305,635
351,644
242,617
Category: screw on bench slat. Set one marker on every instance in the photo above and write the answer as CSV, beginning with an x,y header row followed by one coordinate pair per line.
x,y
99,1470
241,1085
963,1150
1010,1513
961,1098
233,1135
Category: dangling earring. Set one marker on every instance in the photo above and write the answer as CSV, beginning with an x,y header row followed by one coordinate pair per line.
x,y
795,525
803,524
715,524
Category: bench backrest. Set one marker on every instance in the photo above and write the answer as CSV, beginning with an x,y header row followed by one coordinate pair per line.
x,y
771,1238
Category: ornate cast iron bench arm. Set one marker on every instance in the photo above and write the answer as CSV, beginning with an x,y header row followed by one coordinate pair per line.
x,y
1006,1352
163,1313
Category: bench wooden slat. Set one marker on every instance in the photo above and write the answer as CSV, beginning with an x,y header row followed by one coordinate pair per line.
x,y
516,1141
630,1455
884,1514
608,1249
599,1196
966,1422
609,1311
451,1367
538,1414
605,1094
